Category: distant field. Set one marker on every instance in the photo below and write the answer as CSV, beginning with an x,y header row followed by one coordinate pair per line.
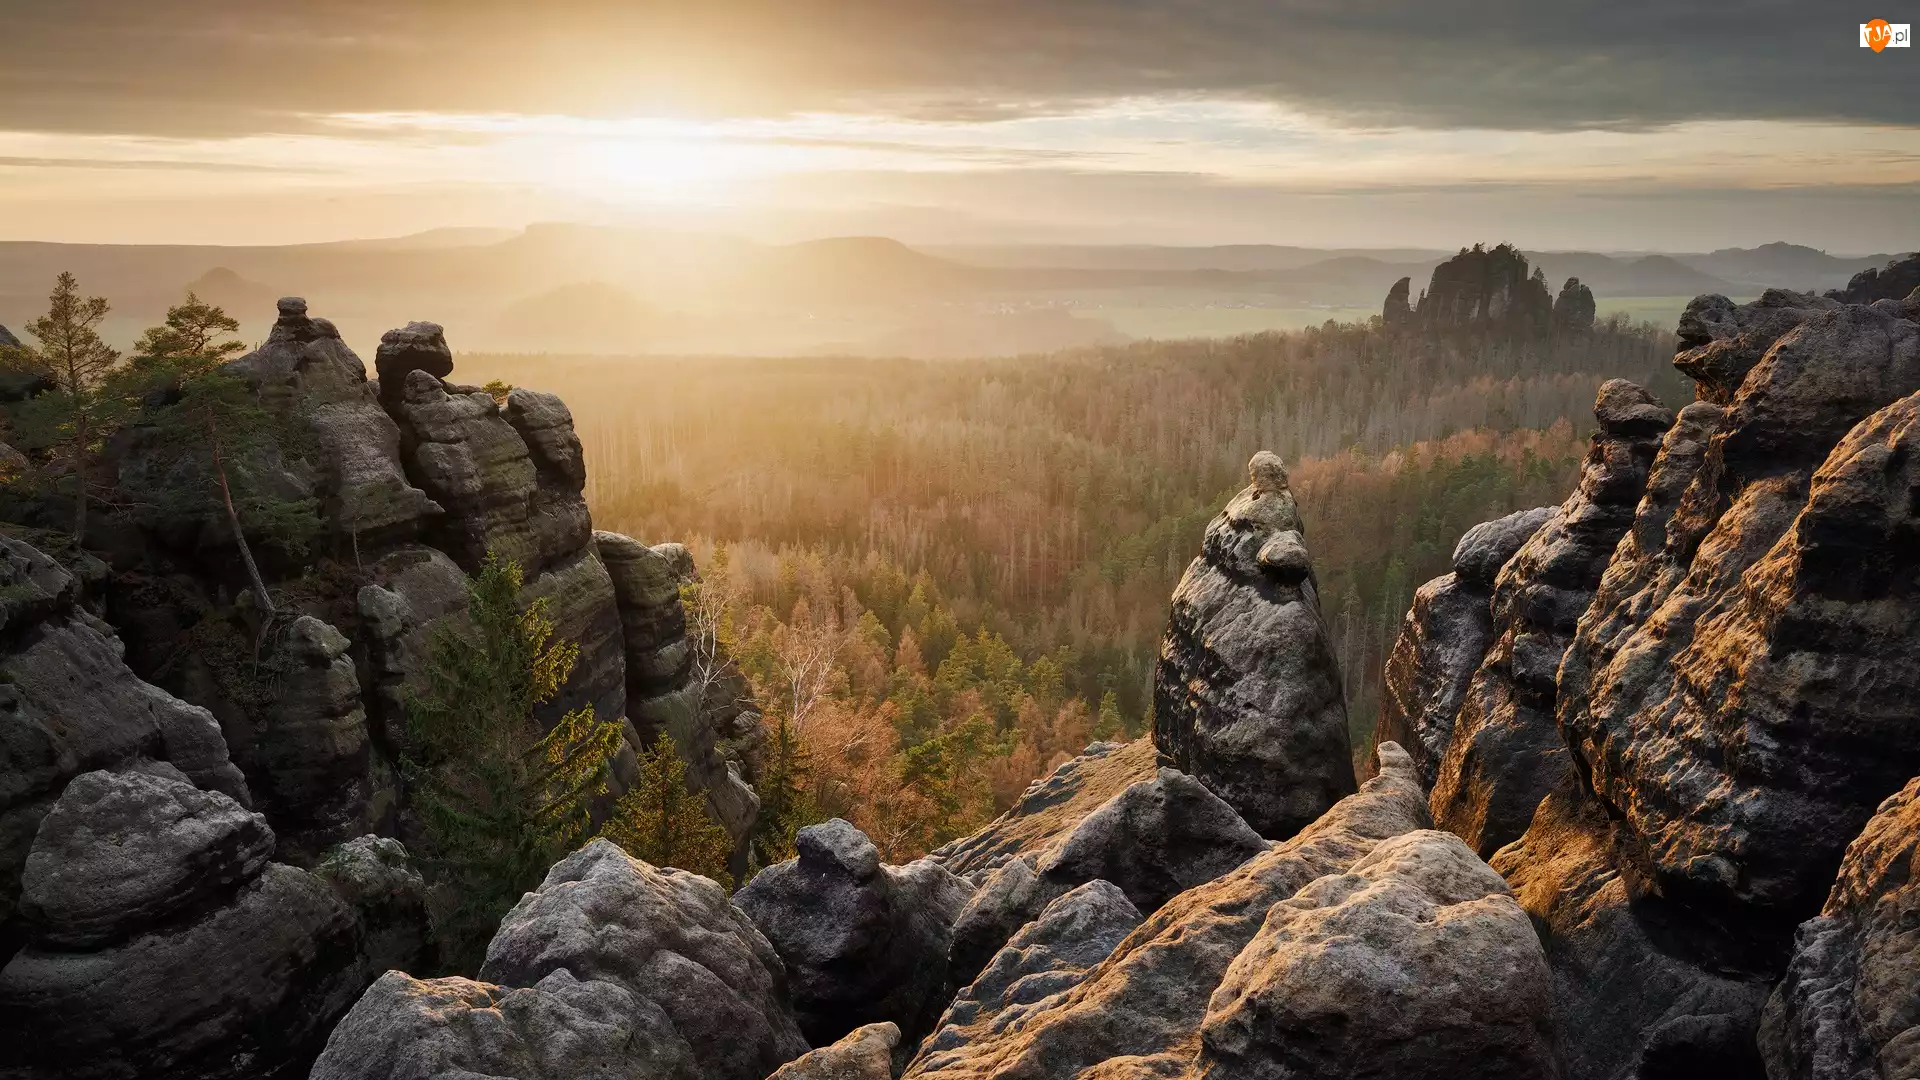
x,y
1661,311
1191,322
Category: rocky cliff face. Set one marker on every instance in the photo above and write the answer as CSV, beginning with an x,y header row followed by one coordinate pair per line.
x,y
1895,281
1247,696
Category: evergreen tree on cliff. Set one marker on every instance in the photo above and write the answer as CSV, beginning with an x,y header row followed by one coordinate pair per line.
x,y
195,412
501,799
659,821
74,416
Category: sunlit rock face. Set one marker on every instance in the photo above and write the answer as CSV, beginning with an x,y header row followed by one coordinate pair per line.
x,y
1505,754
1247,696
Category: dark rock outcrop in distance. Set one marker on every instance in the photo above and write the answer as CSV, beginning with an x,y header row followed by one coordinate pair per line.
x,y
1742,697
1573,309
1640,988
1148,1000
1152,841
1247,695
1486,289
1051,806
1505,754
162,942
1849,1006
610,969
863,942
1444,637
1895,281
1397,313
1049,956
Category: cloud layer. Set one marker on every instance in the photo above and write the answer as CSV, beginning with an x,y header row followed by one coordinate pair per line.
x,y
223,67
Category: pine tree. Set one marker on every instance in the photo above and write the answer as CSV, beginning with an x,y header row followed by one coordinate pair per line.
x,y
195,411
786,804
659,821
501,799
74,415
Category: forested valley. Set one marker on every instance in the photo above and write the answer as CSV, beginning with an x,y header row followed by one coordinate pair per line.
x,y
941,578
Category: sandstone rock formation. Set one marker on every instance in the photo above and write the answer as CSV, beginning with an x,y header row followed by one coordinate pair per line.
x,y
1505,754
1049,956
1144,1005
314,756
1895,281
1152,841
160,940
1745,691
1443,638
1486,289
1051,806
611,968
1397,312
1247,696
1416,961
1573,309
863,942
1849,1006
68,705
417,346
864,1054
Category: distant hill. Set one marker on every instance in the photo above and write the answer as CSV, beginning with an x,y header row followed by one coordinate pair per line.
x,y
223,288
1783,265
583,317
1245,258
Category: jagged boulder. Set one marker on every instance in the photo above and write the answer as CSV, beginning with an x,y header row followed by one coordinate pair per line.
x,y
1154,840
863,942
312,750
864,1054
1445,635
1895,281
1247,695
417,346
69,704
161,942
610,968
358,477
1416,961
1146,1002
121,853
1743,699
1048,956
1721,341
1640,987
545,422
1849,1007
1505,754
1051,806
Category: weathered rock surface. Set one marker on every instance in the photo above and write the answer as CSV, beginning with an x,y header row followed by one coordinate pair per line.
x,y
864,1054
863,943
68,705
1154,840
1416,961
417,346
1895,281
1640,988
1051,806
1145,1003
545,422
1745,692
1849,1007
313,752
359,480
1049,956
1247,695
1505,754
1443,638
122,852
415,588
610,968
375,878
1721,341
162,943
660,692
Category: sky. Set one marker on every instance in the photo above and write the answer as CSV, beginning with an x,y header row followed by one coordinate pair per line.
x,y
1672,125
